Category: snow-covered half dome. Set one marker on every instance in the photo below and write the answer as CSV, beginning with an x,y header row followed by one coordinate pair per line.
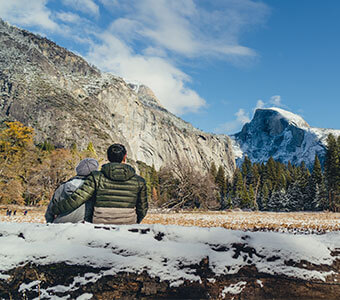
x,y
281,134
292,118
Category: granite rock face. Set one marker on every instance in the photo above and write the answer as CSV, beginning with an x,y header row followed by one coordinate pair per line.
x,y
68,101
283,135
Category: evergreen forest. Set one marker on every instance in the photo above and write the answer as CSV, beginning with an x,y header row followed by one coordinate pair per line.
x,y
29,174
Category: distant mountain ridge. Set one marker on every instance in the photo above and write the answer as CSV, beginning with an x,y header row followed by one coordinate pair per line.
x,y
66,101
281,134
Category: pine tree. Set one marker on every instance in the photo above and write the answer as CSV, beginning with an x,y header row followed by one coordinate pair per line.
x,y
303,181
278,201
296,197
221,183
317,171
245,199
263,197
332,172
271,172
237,189
320,201
256,179
315,187
247,170
288,174
252,199
229,202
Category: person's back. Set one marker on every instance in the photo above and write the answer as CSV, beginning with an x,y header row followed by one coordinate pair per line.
x,y
85,211
117,194
120,194
63,191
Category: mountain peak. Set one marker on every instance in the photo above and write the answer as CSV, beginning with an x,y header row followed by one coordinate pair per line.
x,y
279,115
283,135
293,119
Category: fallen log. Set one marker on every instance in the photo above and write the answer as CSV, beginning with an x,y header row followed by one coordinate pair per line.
x,y
85,261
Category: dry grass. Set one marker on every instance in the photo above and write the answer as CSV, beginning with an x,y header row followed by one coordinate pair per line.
x,y
300,221
238,220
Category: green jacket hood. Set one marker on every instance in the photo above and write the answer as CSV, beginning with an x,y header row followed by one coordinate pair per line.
x,y
118,172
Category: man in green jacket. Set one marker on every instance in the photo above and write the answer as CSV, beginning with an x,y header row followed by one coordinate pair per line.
x,y
119,194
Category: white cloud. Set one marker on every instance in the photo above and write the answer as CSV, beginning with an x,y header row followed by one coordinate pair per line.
x,y
68,17
28,13
185,28
109,3
242,116
85,6
151,38
167,81
259,104
151,35
231,127
276,100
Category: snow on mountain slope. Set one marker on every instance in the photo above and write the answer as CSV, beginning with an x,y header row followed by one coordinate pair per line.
x,y
291,117
67,101
281,134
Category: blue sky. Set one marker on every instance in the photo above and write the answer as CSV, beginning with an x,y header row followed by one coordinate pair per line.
x,y
210,62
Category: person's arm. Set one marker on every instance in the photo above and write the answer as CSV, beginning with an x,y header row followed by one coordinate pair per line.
x,y
142,202
49,216
80,196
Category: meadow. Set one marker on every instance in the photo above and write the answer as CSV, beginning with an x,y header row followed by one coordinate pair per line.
x,y
308,222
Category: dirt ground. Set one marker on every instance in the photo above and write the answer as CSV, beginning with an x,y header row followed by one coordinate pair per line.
x,y
239,220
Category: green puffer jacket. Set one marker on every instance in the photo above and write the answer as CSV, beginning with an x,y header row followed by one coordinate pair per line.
x,y
116,187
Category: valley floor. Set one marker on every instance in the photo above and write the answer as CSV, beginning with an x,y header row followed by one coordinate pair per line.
x,y
309,222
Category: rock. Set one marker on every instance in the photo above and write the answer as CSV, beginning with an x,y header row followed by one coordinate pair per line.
x,y
68,101
283,135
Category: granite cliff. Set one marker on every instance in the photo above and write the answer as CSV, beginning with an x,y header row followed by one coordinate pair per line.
x,y
66,101
283,135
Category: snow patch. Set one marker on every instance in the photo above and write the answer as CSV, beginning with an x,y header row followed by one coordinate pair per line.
x,y
26,287
85,296
290,117
4,276
259,282
234,289
125,249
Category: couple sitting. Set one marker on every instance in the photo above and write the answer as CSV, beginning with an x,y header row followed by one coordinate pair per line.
x,y
113,195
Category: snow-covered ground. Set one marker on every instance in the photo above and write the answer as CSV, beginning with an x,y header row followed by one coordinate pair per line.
x,y
162,251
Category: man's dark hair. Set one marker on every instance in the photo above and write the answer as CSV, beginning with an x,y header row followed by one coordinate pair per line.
x,y
116,153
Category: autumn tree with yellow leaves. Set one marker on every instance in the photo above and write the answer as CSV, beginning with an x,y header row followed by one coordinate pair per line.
x,y
30,173
16,147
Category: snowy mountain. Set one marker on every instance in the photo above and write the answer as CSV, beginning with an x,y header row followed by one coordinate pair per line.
x,y
281,134
87,261
66,101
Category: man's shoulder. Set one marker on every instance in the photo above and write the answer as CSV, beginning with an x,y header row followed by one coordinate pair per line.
x,y
139,178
